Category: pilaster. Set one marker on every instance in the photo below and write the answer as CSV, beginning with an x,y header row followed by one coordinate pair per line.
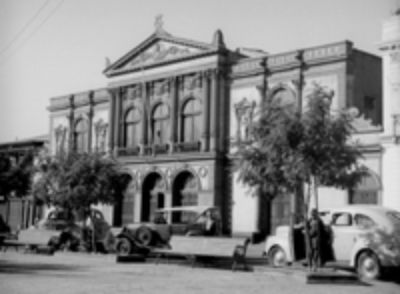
x,y
90,118
173,113
205,137
214,109
143,139
71,118
111,120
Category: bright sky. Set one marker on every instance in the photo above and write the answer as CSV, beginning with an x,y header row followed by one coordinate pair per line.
x,y
55,47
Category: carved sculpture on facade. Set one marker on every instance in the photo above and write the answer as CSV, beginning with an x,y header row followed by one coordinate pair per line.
x,y
244,111
61,139
100,128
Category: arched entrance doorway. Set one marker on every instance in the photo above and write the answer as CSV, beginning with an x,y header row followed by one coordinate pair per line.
x,y
184,192
123,206
153,195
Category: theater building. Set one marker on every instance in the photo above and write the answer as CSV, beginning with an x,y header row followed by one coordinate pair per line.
x,y
172,107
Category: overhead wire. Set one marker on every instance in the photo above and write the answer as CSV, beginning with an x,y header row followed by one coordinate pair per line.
x,y
35,30
25,27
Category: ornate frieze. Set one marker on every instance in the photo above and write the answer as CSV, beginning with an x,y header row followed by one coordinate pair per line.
x,y
283,60
58,103
332,51
248,66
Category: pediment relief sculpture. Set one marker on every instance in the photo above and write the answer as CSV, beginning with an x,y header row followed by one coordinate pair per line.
x,y
158,52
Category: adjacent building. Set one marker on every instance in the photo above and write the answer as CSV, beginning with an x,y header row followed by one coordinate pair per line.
x,y
20,212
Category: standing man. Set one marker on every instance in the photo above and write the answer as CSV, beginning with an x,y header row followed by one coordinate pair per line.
x,y
316,228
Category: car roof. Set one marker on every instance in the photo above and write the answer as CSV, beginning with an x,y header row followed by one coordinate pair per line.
x,y
198,209
359,208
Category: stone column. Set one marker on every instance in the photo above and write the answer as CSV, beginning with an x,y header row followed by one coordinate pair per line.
x,y
143,139
205,136
90,117
173,113
299,83
214,111
111,120
71,118
117,121
180,83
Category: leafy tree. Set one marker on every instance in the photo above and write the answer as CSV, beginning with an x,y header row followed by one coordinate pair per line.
x,y
75,182
15,179
292,147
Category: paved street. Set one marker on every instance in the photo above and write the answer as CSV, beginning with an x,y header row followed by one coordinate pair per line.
x,y
85,273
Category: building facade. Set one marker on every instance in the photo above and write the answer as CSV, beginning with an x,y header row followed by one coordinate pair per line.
x,y
173,106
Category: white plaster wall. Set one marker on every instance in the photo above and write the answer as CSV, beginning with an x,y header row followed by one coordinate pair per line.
x,y
391,176
244,208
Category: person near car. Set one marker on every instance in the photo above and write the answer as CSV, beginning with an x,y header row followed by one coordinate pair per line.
x,y
316,232
210,224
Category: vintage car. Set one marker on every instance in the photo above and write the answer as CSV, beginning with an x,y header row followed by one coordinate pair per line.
x,y
181,220
60,228
365,237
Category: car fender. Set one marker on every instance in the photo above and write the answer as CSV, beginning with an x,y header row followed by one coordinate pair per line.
x,y
280,241
127,235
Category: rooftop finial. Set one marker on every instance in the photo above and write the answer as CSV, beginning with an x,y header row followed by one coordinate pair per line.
x,y
158,23
218,39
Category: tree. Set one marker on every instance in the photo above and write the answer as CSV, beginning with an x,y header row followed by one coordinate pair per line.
x,y
15,179
75,182
292,147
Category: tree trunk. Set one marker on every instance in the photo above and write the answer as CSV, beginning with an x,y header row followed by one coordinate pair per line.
x,y
291,223
93,239
306,229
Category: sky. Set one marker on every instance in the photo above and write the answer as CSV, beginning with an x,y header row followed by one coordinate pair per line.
x,y
56,47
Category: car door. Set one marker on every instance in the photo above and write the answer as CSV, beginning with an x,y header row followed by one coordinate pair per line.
x,y
344,235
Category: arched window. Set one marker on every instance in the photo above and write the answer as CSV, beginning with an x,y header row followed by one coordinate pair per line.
x,y
367,190
160,124
81,135
191,121
285,96
132,130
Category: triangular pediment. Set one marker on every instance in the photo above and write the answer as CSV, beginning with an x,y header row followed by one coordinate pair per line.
x,y
157,50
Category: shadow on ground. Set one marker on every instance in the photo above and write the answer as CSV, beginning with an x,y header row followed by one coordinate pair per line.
x,y
9,267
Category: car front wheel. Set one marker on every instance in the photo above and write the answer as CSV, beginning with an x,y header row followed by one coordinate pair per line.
x,y
277,257
145,236
368,265
123,247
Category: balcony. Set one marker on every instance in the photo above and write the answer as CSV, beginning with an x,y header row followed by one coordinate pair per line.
x,y
187,146
129,151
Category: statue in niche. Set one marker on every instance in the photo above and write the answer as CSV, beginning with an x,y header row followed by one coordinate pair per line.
x,y
244,111
60,134
100,128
